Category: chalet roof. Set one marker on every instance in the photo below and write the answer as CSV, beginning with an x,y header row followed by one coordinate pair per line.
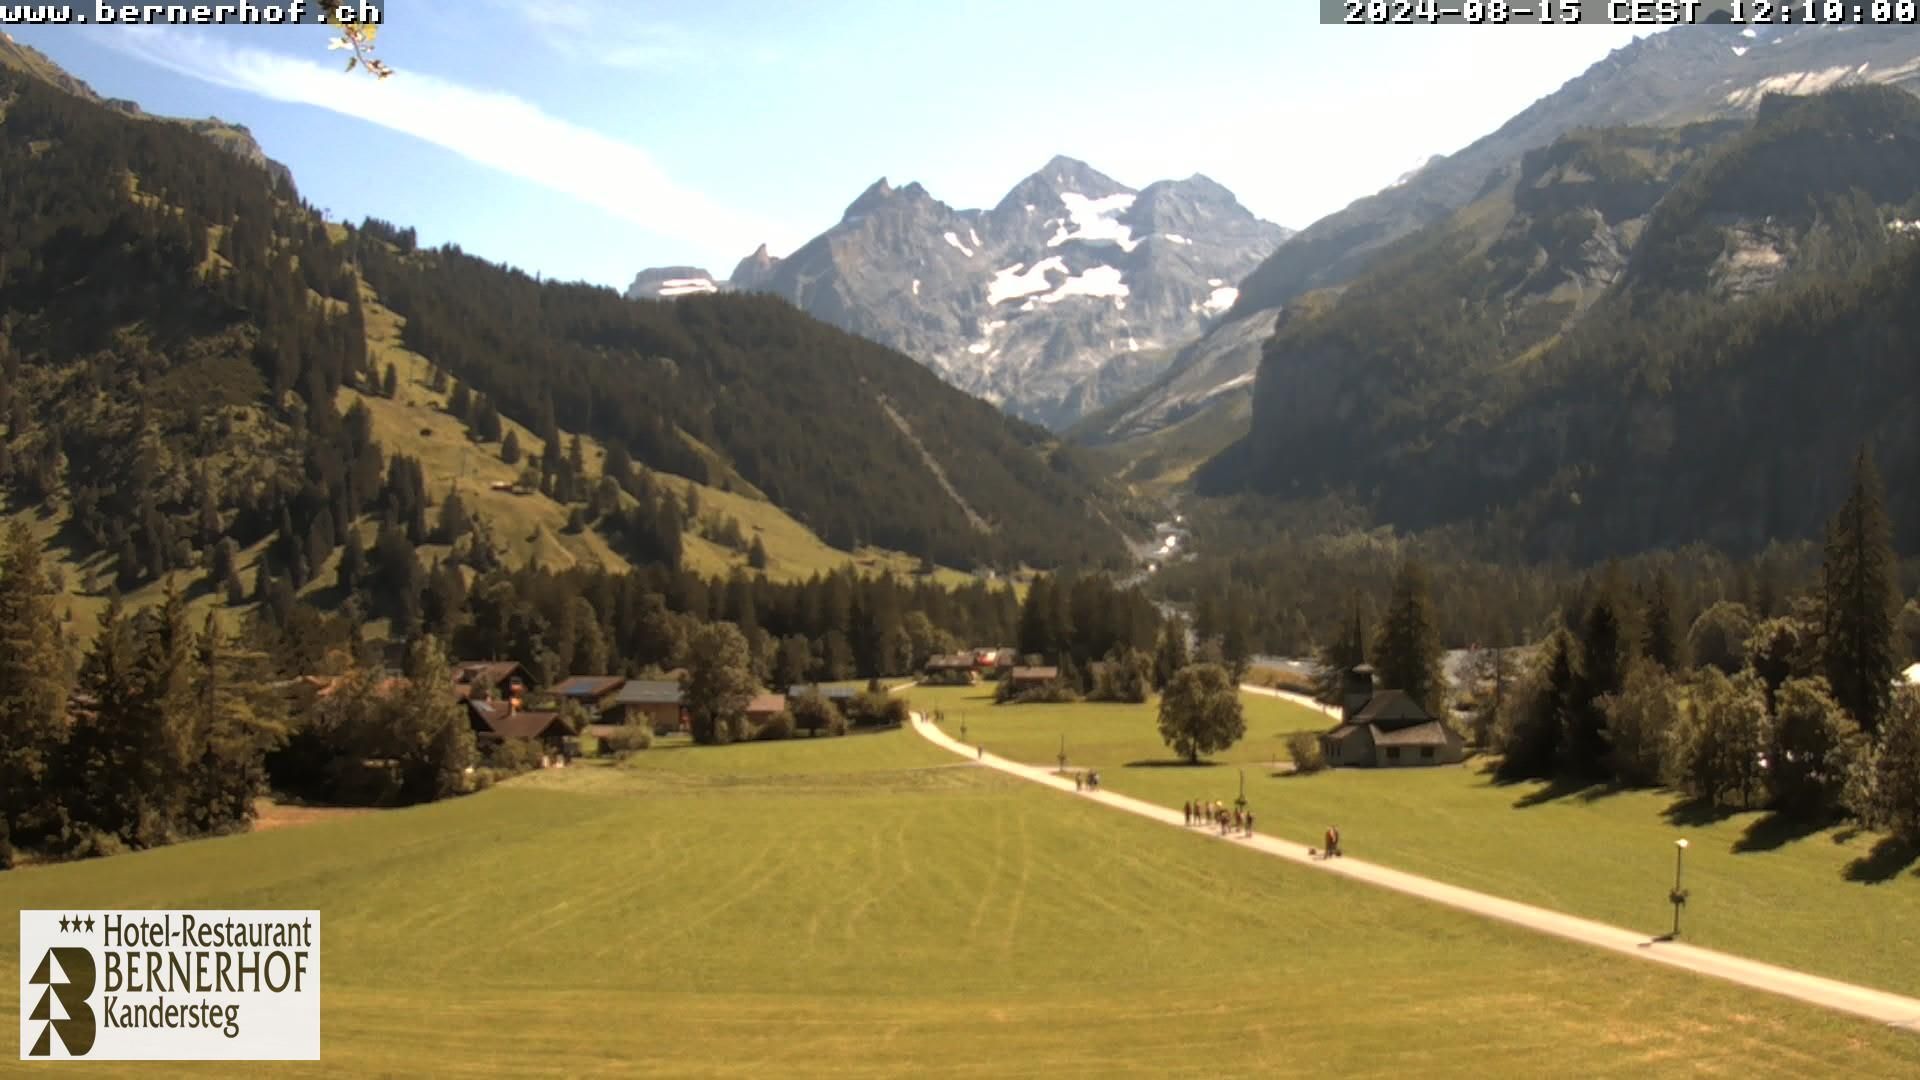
x,y
588,686
831,693
1034,674
1390,710
648,692
767,703
465,672
532,725
1430,733
1345,730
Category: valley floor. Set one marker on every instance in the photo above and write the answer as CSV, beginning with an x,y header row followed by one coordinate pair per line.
x,y
1836,902
867,906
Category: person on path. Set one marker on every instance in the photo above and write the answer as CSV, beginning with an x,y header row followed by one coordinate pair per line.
x,y
980,753
1249,823
1186,811
1076,781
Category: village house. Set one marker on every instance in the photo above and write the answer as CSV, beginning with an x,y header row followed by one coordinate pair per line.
x,y
654,702
957,669
764,707
594,693
494,721
1032,678
1386,729
506,678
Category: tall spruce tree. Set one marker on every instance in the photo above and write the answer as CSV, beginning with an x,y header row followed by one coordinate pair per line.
x,y
1170,652
33,689
1663,639
1603,658
1860,655
1407,650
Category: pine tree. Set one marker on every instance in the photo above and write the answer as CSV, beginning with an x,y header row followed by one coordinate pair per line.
x,y
1862,597
510,449
234,722
390,383
1407,649
1170,652
1601,672
1663,640
757,555
98,779
33,688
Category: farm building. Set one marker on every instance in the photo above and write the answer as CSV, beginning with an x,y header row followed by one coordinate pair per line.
x,y
655,702
497,720
506,678
1029,678
594,693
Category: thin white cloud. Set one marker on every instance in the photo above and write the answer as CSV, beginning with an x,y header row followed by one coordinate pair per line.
x,y
606,33
493,129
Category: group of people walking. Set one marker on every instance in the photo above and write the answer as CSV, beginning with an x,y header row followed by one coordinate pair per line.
x,y
1086,781
1233,820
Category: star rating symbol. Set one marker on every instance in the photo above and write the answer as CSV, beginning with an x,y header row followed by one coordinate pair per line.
x,y
75,924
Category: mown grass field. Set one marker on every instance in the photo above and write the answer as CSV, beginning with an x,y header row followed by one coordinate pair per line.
x,y
1836,901
867,906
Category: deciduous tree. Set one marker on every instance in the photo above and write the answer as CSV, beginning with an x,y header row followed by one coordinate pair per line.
x,y
1200,712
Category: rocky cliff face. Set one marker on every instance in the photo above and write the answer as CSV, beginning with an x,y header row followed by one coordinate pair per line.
x,y
1070,292
1666,79
234,138
1643,338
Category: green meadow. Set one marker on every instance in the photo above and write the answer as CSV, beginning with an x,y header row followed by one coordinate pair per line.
x,y
1838,902
869,906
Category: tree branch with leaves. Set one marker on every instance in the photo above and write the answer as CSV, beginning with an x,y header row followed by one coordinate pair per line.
x,y
355,36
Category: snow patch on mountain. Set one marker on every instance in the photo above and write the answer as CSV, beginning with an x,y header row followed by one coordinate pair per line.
x,y
687,286
1095,220
953,239
1096,281
1012,284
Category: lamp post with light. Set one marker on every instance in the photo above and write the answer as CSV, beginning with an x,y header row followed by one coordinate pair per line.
x,y
1063,754
1679,895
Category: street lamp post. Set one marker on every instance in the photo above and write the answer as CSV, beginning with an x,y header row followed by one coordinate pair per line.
x,y
963,728
1679,895
1063,752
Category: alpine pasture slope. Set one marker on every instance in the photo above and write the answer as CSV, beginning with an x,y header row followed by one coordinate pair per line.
x,y
867,906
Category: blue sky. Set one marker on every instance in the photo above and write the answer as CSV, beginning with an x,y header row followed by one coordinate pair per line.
x,y
586,139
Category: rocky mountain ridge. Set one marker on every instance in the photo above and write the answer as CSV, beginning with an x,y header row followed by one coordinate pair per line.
x,y
1070,291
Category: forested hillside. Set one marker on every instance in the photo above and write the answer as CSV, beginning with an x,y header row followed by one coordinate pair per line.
x,y
859,442
187,387
1648,339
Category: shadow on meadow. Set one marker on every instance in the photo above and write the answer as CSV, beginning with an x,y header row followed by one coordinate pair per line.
x,y
1171,763
1697,813
1554,789
1775,831
1884,863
